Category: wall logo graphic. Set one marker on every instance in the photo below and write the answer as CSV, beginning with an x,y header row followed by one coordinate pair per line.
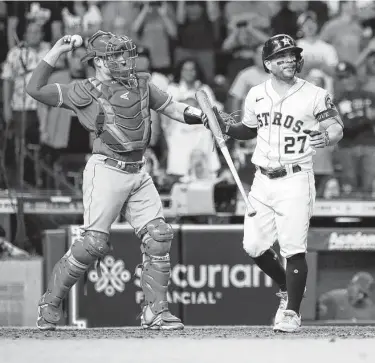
x,y
206,284
114,276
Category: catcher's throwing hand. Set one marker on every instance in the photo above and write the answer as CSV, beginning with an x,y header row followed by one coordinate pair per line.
x,y
318,139
67,43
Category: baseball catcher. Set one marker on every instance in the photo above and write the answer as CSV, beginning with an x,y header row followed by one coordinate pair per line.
x,y
114,106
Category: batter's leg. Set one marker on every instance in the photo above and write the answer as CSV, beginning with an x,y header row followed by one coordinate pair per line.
x,y
294,207
296,272
260,235
144,213
271,265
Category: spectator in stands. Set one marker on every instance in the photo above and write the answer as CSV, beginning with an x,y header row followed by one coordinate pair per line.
x,y
46,13
143,63
344,32
285,20
321,9
3,31
118,16
241,44
182,141
366,67
7,249
198,33
326,183
259,12
199,167
356,151
85,19
121,27
18,67
59,128
353,303
157,142
155,27
245,80
317,54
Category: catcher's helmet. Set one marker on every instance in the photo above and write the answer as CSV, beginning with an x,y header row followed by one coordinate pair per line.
x,y
114,50
278,44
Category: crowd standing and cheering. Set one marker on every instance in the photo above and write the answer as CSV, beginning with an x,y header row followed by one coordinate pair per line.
x,y
186,46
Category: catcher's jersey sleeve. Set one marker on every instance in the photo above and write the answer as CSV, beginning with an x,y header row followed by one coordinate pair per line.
x,y
158,98
87,112
250,118
64,101
324,107
38,88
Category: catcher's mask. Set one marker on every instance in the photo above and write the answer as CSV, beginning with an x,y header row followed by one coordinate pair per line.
x,y
277,45
118,52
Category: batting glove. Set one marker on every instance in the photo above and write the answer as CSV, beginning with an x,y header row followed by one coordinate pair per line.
x,y
318,139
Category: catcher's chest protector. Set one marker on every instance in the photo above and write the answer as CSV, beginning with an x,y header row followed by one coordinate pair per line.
x,y
123,122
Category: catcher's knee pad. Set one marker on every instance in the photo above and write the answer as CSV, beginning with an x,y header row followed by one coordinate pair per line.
x,y
157,238
92,246
74,264
156,243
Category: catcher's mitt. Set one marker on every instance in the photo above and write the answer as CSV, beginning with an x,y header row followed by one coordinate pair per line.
x,y
224,119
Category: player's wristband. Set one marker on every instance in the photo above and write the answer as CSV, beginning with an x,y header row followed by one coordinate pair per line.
x,y
327,140
192,116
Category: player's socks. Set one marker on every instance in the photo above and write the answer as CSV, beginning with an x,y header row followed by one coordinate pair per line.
x,y
296,275
271,265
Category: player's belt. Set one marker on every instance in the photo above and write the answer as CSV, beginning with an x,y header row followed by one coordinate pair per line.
x,y
278,173
129,167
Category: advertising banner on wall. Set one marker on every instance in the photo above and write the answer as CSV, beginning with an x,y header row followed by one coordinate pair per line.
x,y
221,285
213,281
341,239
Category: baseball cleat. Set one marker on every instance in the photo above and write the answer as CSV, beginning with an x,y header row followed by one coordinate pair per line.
x,y
48,315
290,322
283,295
43,324
163,321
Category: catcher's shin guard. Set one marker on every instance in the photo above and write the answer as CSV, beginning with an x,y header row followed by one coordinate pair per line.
x,y
155,275
67,272
154,281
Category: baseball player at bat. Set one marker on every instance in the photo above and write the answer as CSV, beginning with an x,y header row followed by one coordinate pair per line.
x,y
115,106
290,117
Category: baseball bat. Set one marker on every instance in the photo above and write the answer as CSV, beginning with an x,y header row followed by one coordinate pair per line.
x,y
206,107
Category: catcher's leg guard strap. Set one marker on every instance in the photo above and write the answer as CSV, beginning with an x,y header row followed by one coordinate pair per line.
x,y
74,264
156,243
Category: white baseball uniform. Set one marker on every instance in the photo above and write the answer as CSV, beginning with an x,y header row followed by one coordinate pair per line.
x,y
284,205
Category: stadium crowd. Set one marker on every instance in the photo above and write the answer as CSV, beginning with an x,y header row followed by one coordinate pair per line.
x,y
186,46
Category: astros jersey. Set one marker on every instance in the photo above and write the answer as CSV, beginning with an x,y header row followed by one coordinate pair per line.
x,y
281,121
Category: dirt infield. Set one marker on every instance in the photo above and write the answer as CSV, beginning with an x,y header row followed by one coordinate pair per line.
x,y
214,332
194,344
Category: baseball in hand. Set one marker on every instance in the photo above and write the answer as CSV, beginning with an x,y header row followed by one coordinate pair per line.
x,y
76,40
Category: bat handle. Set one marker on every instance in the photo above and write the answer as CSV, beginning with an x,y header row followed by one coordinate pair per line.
x,y
251,212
